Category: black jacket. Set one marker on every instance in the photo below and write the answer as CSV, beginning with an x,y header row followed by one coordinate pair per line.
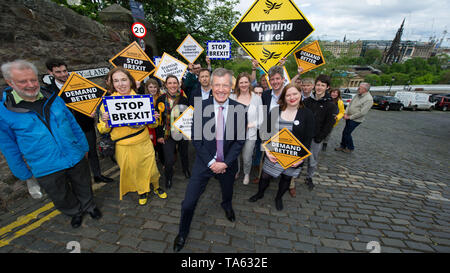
x,y
303,131
161,99
324,111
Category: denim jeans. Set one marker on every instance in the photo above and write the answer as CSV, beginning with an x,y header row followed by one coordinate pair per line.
x,y
347,140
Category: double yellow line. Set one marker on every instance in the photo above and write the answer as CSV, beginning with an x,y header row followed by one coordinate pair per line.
x,y
23,220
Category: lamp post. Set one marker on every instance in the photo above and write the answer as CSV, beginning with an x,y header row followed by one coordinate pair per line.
x,y
392,81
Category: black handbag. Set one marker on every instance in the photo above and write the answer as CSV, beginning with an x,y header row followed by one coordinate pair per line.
x,y
107,146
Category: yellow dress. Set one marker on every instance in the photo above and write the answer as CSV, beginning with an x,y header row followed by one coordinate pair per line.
x,y
135,157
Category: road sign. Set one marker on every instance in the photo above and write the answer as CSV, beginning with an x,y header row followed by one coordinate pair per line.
x,y
129,110
134,59
218,50
169,65
287,149
139,30
190,49
271,30
137,10
309,57
81,94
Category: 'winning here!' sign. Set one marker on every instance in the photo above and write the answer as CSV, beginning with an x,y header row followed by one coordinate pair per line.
x,y
129,110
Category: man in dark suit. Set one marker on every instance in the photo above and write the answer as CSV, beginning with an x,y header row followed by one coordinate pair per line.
x,y
217,149
203,90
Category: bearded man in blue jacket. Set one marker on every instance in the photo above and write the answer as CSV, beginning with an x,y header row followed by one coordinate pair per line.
x,y
40,137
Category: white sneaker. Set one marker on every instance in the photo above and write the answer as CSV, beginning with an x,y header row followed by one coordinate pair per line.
x,y
246,179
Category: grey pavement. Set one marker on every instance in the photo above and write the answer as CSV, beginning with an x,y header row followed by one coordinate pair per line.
x,y
391,192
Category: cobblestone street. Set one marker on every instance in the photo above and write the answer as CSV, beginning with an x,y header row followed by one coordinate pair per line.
x,y
393,189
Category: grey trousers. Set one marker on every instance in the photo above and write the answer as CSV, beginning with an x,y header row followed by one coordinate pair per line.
x,y
311,161
70,190
247,156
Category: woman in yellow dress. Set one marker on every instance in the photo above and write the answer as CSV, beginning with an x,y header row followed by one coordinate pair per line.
x,y
135,155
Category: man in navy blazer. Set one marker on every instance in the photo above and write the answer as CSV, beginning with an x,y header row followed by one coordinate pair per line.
x,y
216,150
203,90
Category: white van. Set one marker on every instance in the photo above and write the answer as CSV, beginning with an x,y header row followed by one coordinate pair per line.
x,y
414,101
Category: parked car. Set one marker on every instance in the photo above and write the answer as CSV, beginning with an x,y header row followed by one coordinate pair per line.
x,y
387,103
414,101
347,98
442,103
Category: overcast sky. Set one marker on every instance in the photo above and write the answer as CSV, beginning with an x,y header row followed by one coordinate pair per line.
x,y
373,19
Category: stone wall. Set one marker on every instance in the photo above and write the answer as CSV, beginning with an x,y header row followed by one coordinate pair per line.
x,y
38,29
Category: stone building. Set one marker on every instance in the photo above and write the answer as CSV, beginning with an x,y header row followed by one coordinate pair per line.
x,y
343,49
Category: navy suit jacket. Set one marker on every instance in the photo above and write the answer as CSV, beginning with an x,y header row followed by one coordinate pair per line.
x,y
197,92
235,133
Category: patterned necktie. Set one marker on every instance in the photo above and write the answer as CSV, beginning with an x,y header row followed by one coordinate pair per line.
x,y
219,135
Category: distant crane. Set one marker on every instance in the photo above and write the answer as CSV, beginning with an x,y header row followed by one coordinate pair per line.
x,y
438,45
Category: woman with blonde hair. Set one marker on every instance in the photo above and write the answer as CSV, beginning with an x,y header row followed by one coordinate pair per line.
x,y
243,93
134,153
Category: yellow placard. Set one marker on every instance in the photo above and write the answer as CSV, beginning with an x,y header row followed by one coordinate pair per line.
x,y
189,49
309,57
81,94
184,122
134,59
286,148
271,30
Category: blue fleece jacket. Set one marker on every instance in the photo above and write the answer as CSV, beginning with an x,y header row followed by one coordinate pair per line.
x,y
38,145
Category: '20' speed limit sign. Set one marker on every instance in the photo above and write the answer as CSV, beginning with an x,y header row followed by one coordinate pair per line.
x,y
139,30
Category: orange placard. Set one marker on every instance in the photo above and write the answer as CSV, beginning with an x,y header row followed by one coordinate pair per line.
x,y
81,94
309,57
287,149
134,59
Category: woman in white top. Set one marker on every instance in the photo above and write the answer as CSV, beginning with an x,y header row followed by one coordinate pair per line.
x,y
243,93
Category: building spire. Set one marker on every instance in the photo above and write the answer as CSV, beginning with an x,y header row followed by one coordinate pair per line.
x,y
393,54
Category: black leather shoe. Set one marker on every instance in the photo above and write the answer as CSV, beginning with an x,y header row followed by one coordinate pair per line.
x,y
309,183
187,174
178,244
278,204
96,214
169,183
255,198
76,221
230,215
103,179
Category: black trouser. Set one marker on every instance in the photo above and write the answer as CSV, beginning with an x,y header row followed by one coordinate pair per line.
x,y
70,189
169,155
283,185
92,155
196,187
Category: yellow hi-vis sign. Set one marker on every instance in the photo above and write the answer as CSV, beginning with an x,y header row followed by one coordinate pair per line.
x,y
271,30
81,94
287,149
309,57
134,59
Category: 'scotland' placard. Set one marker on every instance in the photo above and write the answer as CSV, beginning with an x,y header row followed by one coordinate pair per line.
x,y
190,49
129,110
169,65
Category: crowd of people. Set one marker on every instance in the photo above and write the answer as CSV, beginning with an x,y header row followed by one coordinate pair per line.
x,y
42,139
